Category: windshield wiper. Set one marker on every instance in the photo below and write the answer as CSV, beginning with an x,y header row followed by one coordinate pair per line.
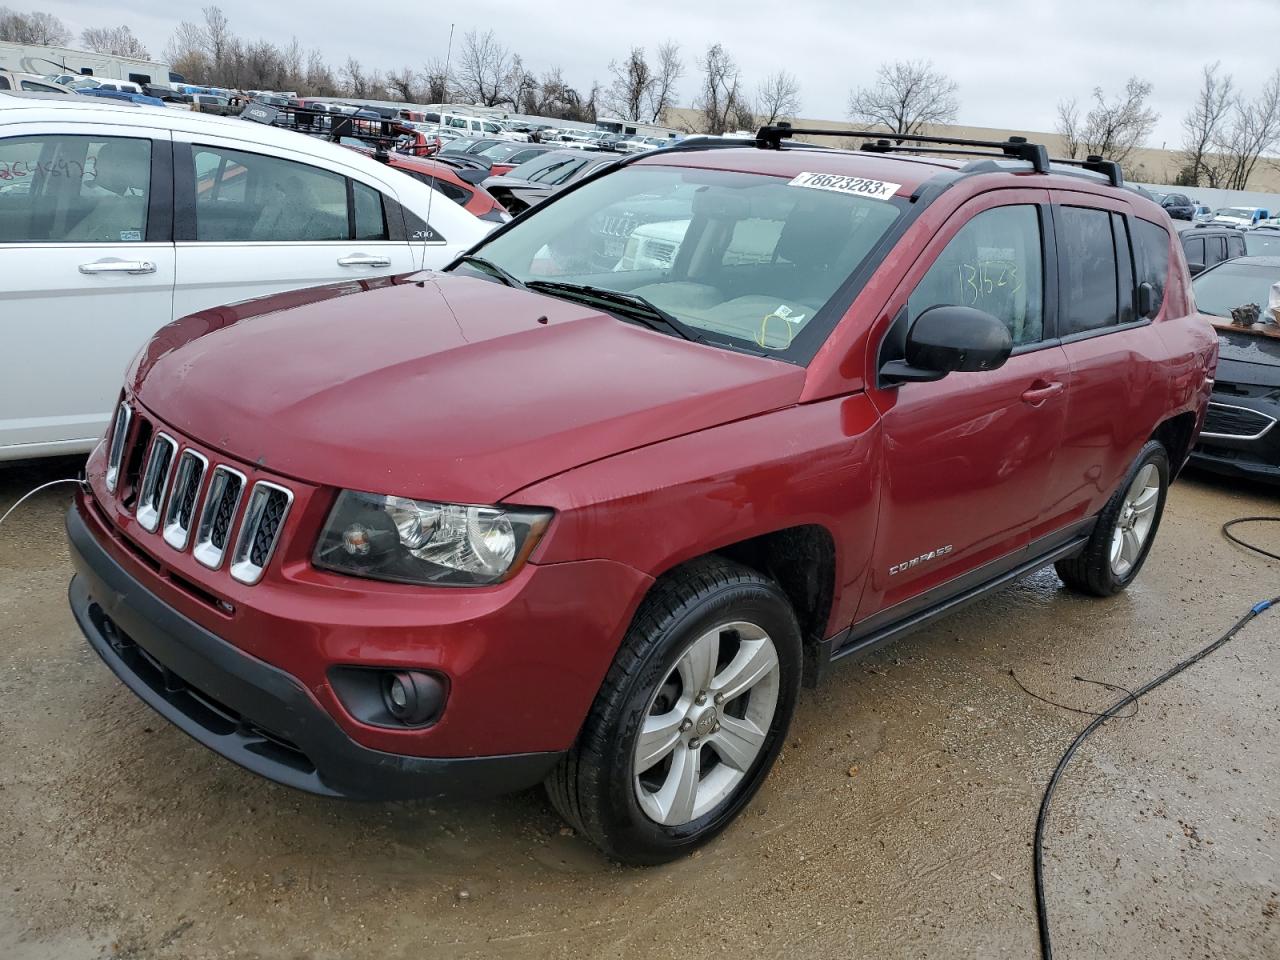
x,y
488,265
635,306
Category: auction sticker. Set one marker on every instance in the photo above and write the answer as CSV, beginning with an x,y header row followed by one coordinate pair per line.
x,y
858,186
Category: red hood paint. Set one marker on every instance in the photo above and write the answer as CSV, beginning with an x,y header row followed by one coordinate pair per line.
x,y
441,387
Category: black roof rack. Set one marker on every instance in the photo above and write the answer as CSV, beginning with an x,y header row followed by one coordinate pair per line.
x,y
1108,168
1017,148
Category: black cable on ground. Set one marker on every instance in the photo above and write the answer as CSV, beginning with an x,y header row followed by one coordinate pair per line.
x,y
1226,532
1042,913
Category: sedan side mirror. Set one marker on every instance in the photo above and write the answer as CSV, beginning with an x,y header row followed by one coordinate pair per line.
x,y
951,339
1195,268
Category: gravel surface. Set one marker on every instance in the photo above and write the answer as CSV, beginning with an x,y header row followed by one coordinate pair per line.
x,y
897,824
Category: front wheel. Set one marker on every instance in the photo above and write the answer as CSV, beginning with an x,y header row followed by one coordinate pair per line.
x,y
690,717
1125,530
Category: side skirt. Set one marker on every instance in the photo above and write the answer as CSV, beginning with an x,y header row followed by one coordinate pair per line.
x,y
861,639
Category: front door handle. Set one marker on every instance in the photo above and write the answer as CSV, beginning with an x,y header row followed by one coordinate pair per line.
x,y
363,260
113,265
1040,391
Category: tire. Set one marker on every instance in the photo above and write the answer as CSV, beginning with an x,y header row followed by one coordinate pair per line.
x,y
711,604
1096,570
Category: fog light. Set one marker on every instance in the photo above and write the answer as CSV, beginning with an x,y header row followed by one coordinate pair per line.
x,y
411,697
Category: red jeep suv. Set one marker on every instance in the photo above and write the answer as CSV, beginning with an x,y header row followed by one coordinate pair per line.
x,y
538,518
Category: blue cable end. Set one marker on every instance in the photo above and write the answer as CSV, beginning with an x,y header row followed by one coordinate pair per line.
x,y
1260,606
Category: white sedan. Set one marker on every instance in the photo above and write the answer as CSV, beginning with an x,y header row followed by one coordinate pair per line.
x,y
116,219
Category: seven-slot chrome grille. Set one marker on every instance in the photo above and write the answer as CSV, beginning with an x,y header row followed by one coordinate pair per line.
x,y
194,504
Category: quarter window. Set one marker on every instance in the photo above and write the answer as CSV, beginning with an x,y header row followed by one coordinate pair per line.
x,y
78,189
246,196
370,222
1151,246
1087,270
995,263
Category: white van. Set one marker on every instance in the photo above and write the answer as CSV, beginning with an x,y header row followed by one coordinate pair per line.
x,y
116,219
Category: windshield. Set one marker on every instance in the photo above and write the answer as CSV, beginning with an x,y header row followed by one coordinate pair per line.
x,y
1220,290
743,257
1237,213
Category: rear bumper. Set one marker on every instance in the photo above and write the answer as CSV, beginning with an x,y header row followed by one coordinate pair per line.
x,y
249,711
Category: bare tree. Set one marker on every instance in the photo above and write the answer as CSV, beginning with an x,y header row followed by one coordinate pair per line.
x,y
402,85
1112,128
662,91
37,28
116,41
1252,130
484,66
1203,125
521,87
718,100
218,39
437,83
778,97
354,80
907,96
319,81
628,93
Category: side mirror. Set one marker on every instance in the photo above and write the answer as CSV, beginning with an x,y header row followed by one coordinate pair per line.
x,y
951,339
1146,300
1195,268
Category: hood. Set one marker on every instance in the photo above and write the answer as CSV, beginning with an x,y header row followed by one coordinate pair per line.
x,y
442,387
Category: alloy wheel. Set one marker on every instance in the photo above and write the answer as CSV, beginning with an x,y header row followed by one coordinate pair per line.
x,y
1136,518
706,723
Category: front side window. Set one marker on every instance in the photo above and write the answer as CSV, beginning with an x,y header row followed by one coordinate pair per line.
x,y
74,189
995,263
747,258
1087,296
247,196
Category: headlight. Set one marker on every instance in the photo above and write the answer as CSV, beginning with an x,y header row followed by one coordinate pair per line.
x,y
416,541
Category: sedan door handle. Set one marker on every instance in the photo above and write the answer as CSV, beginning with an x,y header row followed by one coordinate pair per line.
x,y
1040,391
363,260
112,265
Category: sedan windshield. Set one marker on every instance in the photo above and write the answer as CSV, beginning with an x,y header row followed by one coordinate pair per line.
x,y
1222,289
747,258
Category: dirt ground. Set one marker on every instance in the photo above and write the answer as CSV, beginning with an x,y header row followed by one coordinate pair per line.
x,y
898,823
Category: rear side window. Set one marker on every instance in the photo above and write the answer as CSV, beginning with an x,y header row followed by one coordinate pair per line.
x,y
1151,249
247,196
4,83
995,263
1086,269
1215,249
451,190
1235,247
79,189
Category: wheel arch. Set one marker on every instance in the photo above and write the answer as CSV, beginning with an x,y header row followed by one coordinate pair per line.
x,y
802,561
1175,434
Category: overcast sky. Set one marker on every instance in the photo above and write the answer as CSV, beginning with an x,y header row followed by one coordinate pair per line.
x,y
1013,59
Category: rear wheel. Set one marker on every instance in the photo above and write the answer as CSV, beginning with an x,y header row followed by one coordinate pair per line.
x,y
1125,530
690,717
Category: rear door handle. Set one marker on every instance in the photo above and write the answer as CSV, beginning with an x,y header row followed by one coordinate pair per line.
x,y
1040,391
112,265
363,260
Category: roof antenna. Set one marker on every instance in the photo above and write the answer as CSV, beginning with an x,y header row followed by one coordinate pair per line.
x,y
426,236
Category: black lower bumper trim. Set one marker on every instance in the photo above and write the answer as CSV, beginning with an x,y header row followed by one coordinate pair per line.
x,y
1229,466
250,712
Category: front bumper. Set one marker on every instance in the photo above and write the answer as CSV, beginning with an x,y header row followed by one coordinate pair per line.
x,y
1235,450
247,710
